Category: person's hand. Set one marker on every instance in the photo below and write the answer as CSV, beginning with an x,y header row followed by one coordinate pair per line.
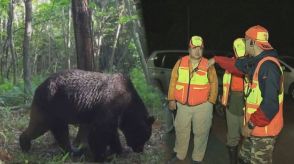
x,y
172,105
246,132
211,62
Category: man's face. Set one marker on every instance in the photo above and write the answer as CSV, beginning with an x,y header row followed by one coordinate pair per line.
x,y
196,53
249,46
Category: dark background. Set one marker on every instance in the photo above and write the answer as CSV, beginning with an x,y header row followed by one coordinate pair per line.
x,y
170,23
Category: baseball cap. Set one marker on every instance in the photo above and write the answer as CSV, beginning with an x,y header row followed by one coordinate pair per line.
x,y
260,35
239,47
196,41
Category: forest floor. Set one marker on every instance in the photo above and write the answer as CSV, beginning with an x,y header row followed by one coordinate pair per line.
x,y
45,150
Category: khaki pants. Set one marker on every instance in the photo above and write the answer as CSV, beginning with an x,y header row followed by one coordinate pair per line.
x,y
200,117
235,118
234,124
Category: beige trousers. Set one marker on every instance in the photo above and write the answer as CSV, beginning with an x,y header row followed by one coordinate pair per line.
x,y
200,117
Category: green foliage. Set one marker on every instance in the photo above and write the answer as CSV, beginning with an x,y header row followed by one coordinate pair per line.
x,y
7,85
150,95
126,19
3,7
13,95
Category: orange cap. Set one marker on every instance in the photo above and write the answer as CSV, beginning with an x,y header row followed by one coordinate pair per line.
x,y
260,35
196,41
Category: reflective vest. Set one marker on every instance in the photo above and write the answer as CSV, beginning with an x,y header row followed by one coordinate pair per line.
x,y
192,88
236,85
254,99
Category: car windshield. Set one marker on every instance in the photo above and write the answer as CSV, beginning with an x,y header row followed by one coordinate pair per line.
x,y
289,61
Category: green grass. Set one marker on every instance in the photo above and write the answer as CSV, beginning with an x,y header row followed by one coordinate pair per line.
x,y
150,95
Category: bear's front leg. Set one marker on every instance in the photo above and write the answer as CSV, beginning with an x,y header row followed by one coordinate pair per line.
x,y
37,127
82,135
98,140
115,145
102,134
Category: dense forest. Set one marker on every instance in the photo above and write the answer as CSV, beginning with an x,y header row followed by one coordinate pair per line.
x,y
41,37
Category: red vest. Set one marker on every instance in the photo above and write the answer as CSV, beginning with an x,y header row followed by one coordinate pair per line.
x,y
237,83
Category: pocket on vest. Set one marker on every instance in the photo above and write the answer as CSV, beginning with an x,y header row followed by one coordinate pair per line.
x,y
198,95
179,92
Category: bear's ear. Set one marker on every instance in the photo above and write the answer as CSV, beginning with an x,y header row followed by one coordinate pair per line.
x,y
150,120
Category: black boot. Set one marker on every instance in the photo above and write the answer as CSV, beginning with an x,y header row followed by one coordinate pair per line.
x,y
233,153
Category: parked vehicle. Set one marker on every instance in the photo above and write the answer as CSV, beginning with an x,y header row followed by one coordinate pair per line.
x,y
287,62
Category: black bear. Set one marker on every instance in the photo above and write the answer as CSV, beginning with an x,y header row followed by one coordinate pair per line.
x,y
105,102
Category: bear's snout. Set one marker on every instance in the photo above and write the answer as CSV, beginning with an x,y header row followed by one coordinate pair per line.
x,y
25,143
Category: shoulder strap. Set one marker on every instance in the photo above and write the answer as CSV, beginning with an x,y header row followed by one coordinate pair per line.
x,y
203,65
273,59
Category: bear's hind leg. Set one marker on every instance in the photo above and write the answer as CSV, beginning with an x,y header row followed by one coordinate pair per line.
x,y
37,127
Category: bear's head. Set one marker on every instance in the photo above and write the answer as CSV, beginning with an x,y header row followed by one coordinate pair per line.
x,y
138,134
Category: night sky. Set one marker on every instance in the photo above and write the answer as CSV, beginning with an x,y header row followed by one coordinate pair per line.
x,y
170,23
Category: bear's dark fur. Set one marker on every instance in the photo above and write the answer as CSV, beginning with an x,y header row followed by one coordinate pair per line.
x,y
105,102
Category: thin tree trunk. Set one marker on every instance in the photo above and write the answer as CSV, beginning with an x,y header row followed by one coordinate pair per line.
x,y
99,49
1,38
6,52
137,41
49,46
11,44
26,47
82,30
65,34
68,40
110,65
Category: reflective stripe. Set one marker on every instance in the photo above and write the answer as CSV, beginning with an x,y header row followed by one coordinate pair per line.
x,y
262,36
226,87
250,110
195,85
252,106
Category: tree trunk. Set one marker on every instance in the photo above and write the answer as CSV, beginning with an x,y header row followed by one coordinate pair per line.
x,y
69,41
26,47
110,65
82,30
1,59
10,36
138,42
49,46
